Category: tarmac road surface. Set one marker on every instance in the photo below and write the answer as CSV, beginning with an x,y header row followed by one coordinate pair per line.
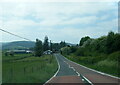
x,y
70,72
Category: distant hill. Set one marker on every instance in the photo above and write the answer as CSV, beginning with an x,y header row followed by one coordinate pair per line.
x,y
18,45
21,45
70,44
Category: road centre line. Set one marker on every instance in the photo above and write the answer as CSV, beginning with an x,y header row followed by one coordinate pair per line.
x,y
94,70
83,77
72,68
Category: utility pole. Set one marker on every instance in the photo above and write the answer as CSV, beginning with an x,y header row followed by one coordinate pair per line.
x,y
50,45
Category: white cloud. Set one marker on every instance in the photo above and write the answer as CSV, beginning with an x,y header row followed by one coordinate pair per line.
x,y
50,15
18,25
109,25
59,1
81,20
74,21
48,10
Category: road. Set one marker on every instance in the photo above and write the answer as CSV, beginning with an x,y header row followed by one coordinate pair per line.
x,y
70,72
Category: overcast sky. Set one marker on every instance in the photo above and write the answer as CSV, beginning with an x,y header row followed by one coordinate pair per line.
x,y
67,21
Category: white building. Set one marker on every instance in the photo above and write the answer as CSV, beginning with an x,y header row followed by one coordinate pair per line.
x,y
47,52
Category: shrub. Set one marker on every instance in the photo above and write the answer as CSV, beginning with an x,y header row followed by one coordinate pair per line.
x,y
80,52
73,49
114,56
65,50
106,63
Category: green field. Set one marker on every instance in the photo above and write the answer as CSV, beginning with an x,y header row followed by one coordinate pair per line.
x,y
15,57
28,69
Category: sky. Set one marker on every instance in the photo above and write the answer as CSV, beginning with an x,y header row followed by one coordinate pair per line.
x,y
69,21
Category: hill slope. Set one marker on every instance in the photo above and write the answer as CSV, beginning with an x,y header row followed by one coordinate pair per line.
x,y
18,45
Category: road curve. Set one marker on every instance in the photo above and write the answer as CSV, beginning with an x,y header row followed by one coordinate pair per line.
x,y
71,72
65,74
65,69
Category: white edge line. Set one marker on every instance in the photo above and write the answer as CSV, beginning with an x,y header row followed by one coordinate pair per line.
x,y
55,73
94,70
78,74
87,80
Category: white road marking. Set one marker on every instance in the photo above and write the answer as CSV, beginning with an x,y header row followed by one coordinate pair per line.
x,y
78,74
87,80
82,79
58,67
94,70
69,67
55,73
72,68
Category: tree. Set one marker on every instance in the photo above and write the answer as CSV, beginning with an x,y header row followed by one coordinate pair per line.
x,y
73,49
62,44
51,46
110,42
65,50
11,53
46,44
102,44
80,52
38,48
83,39
116,44
56,46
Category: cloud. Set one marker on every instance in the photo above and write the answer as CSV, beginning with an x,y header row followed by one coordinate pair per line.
x,y
82,20
108,25
59,1
60,21
50,10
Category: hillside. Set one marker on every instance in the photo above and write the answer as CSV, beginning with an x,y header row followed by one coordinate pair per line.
x,y
18,45
21,45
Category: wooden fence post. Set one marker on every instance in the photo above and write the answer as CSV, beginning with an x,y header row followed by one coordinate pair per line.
x,y
11,72
24,70
32,69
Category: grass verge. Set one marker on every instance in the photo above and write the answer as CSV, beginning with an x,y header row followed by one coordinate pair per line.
x,y
29,70
107,64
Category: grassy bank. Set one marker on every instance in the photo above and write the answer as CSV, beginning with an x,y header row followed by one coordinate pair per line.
x,y
104,63
29,69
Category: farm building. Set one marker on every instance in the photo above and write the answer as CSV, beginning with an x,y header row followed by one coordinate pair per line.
x,y
19,51
47,52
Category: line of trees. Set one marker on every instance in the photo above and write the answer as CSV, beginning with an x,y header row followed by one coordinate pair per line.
x,y
40,46
93,47
102,54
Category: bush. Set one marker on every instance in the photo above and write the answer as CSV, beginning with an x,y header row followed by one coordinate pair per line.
x,y
73,49
80,52
91,60
108,66
106,63
65,50
114,56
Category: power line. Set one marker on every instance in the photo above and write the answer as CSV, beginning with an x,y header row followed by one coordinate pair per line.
x,y
15,35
